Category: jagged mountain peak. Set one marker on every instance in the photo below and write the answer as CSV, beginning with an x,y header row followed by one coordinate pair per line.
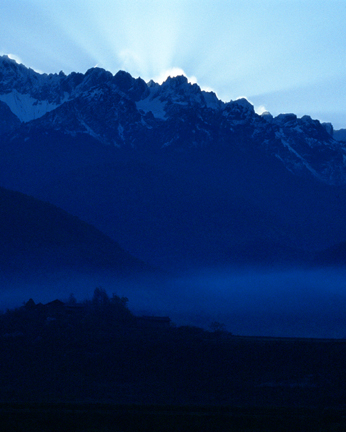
x,y
14,75
243,102
6,62
128,112
175,81
95,76
180,85
177,92
135,88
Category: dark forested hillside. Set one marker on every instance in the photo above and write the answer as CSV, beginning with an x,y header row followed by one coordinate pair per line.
x,y
38,237
183,209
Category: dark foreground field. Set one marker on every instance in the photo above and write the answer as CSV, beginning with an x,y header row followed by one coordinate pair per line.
x,y
96,367
132,418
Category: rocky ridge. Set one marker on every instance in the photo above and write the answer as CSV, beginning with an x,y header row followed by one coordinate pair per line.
x,y
125,112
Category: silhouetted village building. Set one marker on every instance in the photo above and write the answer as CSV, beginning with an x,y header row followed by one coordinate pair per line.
x,y
59,308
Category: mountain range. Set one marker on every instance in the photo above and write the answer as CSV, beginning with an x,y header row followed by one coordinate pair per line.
x,y
175,176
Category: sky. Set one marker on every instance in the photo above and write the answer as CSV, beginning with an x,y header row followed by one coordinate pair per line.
x,y
282,55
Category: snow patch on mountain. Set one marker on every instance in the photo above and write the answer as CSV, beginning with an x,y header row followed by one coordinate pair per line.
x,y
25,107
155,105
90,131
121,132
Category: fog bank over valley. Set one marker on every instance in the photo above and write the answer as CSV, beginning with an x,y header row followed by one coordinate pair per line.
x,y
251,301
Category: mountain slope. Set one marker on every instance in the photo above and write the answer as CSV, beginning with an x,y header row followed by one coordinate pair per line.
x,y
39,237
189,208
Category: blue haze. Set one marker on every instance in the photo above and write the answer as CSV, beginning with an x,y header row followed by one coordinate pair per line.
x,y
288,303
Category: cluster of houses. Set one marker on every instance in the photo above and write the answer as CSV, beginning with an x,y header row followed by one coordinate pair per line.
x,y
58,307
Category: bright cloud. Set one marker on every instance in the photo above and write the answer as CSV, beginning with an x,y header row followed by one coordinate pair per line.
x,y
270,53
18,60
129,60
173,72
260,109
15,58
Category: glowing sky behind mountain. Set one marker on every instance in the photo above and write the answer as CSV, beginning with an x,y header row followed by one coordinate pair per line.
x,y
284,56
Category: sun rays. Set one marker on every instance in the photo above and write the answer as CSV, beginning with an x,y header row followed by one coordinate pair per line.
x,y
234,48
